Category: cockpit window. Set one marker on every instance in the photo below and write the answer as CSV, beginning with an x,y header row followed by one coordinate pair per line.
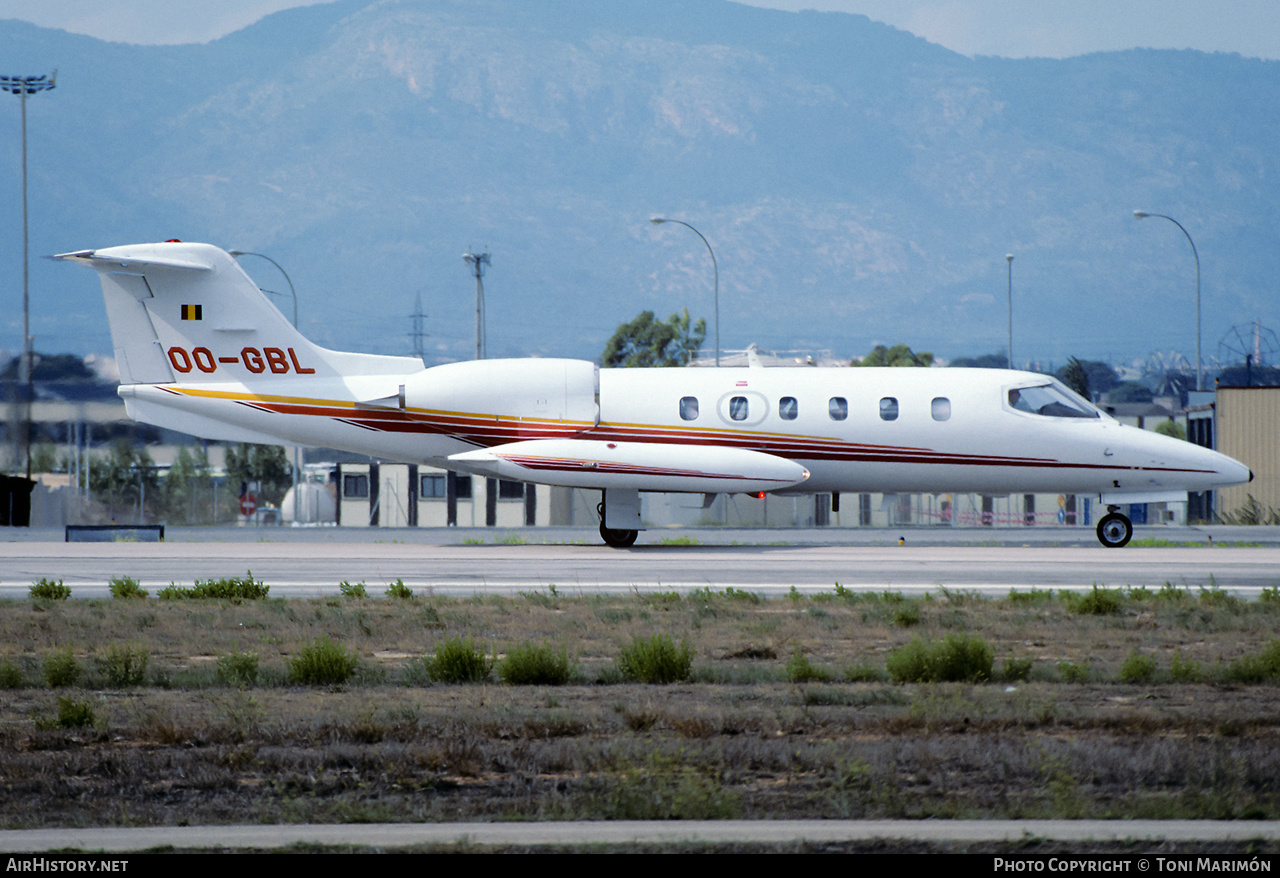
x,y
1050,400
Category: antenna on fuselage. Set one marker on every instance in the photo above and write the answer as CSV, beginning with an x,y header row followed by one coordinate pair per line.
x,y
477,263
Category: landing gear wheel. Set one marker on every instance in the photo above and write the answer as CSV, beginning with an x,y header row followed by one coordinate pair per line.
x,y
618,539
1114,530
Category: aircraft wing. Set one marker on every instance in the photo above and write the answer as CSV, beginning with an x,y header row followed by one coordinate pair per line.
x,y
590,463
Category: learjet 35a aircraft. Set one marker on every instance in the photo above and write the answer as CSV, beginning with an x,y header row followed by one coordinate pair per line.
x,y
202,351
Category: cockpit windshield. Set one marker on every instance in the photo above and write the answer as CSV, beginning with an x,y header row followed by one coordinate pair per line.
x,y
1051,400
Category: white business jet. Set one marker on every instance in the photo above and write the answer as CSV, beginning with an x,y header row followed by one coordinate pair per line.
x,y
202,351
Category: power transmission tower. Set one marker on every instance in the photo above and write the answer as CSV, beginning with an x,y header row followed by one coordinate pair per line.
x,y
478,261
419,327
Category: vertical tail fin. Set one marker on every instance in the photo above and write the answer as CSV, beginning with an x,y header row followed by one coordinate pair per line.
x,y
189,313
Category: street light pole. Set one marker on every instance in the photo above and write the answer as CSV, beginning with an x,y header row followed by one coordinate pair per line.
x,y
657,221
292,291
1008,257
297,462
1142,214
23,86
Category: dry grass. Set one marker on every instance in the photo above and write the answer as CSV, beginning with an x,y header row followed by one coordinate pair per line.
x,y
739,740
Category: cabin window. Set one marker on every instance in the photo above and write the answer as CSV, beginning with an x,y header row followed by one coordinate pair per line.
x,y
689,408
838,407
940,408
888,409
738,408
788,408
355,486
433,487
1050,400
508,490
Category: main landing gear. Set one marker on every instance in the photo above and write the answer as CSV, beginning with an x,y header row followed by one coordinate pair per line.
x,y
1114,529
619,507
618,539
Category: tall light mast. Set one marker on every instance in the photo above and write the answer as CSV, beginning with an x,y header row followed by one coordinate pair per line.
x,y
478,261
23,86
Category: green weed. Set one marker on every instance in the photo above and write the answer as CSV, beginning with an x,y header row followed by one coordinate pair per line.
x,y
656,659
234,589
353,591
536,664
238,669
399,590
322,663
1096,602
10,675
801,670
956,658
126,588
1016,669
124,665
1138,668
49,590
1075,672
458,661
1261,668
1184,671
61,669
72,714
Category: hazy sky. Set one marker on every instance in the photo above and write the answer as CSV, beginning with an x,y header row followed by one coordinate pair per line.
x,y
1010,28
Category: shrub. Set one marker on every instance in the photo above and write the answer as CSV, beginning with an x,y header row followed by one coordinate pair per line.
x,y
47,589
398,589
801,670
10,675
233,589
535,664
954,659
124,665
238,669
61,669
74,714
1261,668
1075,672
1184,671
322,663
907,615
458,661
126,587
1016,669
1098,602
353,591
1138,668
656,659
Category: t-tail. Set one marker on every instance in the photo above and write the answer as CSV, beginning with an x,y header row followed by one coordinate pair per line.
x,y
188,313
188,316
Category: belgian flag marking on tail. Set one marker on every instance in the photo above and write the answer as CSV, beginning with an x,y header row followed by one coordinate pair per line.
x,y
192,312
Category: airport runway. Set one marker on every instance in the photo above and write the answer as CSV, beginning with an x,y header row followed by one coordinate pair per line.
x,y
306,563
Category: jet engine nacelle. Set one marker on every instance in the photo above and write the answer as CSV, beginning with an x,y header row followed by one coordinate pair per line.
x,y
501,395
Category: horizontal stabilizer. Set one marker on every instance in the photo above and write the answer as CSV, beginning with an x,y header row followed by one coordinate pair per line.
x,y
591,463
132,259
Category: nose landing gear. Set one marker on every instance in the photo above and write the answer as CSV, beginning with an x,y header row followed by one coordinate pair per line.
x,y
1114,529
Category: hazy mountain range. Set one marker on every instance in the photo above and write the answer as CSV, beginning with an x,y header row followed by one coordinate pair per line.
x,y
858,184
